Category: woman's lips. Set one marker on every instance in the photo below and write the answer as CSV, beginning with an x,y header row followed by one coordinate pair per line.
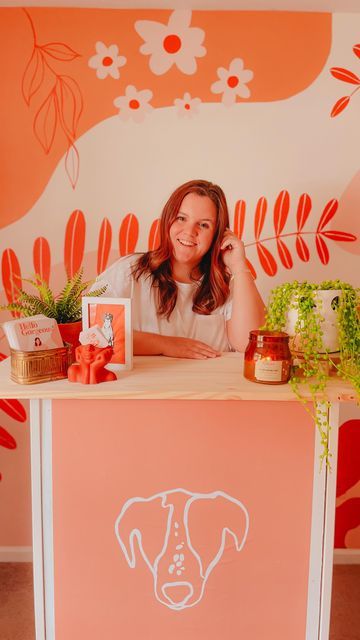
x,y
186,243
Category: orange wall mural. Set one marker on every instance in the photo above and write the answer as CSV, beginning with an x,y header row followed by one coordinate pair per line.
x,y
106,111
59,61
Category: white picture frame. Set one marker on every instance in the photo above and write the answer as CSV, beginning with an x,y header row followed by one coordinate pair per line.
x,y
114,318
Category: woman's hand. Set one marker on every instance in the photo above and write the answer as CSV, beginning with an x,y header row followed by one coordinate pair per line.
x,y
153,344
233,252
187,348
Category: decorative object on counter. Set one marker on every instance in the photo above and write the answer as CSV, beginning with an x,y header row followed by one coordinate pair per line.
x,y
35,333
94,336
325,302
324,323
32,367
65,307
90,365
113,317
267,357
37,351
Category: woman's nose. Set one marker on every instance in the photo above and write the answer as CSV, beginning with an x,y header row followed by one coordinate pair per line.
x,y
191,228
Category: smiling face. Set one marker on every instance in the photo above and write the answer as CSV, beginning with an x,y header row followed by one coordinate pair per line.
x,y
192,232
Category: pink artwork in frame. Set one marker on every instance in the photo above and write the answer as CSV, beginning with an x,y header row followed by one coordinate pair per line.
x,y
113,317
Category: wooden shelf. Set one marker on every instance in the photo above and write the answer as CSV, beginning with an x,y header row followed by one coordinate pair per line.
x,y
161,378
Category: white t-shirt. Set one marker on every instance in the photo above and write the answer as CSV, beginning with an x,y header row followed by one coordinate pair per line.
x,y
183,322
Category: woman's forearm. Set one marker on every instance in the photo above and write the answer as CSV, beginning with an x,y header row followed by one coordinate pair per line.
x,y
148,344
248,310
153,344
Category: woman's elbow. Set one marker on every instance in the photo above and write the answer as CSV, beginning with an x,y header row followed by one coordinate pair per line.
x,y
238,343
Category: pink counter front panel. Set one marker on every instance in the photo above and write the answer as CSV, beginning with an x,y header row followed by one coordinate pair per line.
x,y
181,519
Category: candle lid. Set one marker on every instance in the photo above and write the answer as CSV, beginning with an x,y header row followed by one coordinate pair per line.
x,y
262,335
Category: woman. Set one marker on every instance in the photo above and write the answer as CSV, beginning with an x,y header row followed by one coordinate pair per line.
x,y
194,296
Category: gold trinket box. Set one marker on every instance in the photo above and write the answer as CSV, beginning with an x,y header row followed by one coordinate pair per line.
x,y
31,367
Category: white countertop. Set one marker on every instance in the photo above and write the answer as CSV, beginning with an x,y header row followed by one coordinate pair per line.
x,y
162,378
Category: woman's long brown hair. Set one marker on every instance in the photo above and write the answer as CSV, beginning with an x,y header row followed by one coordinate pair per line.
x,y
213,288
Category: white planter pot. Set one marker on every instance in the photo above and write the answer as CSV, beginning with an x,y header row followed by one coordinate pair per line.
x,y
326,301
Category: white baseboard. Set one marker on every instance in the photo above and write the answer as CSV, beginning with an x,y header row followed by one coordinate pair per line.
x,y
346,556
15,554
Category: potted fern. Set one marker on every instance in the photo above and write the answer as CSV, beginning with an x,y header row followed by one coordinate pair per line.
x,y
324,326
64,307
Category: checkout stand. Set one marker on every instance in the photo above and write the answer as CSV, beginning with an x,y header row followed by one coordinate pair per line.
x,y
180,500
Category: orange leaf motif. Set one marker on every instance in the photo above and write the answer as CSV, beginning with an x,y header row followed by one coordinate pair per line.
x,y
239,218
302,249
356,50
154,235
6,440
70,103
104,245
345,75
14,409
45,122
74,242
33,75
323,251
72,162
41,258
328,213
340,236
250,266
339,106
266,259
128,235
260,214
59,51
303,210
281,211
11,274
284,254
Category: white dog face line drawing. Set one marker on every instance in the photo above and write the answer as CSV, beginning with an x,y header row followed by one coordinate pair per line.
x,y
180,562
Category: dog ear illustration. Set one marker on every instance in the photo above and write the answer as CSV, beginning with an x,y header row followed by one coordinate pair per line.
x,y
141,526
216,523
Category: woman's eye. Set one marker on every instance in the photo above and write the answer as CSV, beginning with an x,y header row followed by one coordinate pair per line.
x,y
204,225
180,218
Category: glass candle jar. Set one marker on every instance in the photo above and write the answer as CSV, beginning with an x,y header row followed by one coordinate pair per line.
x,y
267,357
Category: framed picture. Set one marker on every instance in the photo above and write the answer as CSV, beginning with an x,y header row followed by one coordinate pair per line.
x,y
113,317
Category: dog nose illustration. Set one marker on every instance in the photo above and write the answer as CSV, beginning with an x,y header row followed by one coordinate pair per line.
x,y
178,593
178,562
181,536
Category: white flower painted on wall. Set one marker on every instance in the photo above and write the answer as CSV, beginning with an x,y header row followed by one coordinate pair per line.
x,y
173,43
187,106
134,104
107,61
233,82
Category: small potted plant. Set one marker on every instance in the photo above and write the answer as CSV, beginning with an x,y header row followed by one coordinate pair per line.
x,y
324,326
64,307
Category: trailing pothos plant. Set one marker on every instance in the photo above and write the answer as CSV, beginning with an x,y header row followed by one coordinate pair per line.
x,y
315,362
64,307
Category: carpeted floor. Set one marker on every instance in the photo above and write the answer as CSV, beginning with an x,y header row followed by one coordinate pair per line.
x,y
17,618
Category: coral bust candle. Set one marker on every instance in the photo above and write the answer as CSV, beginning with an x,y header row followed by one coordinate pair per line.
x,y
267,357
